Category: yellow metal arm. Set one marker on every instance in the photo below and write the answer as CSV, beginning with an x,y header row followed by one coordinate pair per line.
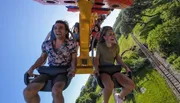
x,y
84,61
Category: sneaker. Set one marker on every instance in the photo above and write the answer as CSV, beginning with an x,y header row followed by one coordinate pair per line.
x,y
118,100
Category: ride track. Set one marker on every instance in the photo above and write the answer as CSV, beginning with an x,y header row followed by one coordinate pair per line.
x,y
171,79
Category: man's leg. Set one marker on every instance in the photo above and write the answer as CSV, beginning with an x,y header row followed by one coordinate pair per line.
x,y
108,86
31,92
60,82
57,92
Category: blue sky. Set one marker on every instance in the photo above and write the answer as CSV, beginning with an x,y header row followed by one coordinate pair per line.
x,y
24,25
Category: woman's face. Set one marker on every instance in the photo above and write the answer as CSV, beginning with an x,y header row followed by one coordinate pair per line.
x,y
110,36
96,28
76,30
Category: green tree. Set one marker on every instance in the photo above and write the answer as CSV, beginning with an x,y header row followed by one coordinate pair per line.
x,y
165,38
129,17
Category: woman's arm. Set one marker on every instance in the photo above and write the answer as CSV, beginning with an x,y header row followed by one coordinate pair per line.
x,y
96,60
119,61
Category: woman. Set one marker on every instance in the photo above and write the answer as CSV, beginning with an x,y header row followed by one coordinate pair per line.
x,y
95,35
76,32
107,53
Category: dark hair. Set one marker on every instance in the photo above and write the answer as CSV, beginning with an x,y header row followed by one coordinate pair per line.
x,y
103,33
52,37
76,25
97,27
66,27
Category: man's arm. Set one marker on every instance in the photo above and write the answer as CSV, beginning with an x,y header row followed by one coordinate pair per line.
x,y
48,36
74,61
72,69
40,61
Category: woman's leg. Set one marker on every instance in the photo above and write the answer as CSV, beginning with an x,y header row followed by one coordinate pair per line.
x,y
127,83
108,86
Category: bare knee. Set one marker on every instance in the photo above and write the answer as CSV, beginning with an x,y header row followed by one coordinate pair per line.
x,y
29,91
32,89
107,82
115,75
109,86
125,81
57,89
132,86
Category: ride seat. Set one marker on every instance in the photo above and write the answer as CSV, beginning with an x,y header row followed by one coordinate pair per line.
x,y
52,71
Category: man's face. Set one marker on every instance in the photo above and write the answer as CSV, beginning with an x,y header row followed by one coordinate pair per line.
x,y
59,30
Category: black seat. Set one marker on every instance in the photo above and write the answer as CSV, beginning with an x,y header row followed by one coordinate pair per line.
x,y
110,69
52,71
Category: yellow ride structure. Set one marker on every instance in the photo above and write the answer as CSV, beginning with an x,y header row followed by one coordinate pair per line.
x,y
89,10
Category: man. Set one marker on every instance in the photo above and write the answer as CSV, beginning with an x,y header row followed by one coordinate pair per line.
x,y
60,51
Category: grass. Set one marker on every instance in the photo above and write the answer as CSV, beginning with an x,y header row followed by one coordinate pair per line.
x,y
157,91
125,44
98,90
111,100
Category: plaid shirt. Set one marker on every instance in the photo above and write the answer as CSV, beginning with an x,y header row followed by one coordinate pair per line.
x,y
60,56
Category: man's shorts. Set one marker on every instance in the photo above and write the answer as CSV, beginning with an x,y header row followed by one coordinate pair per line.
x,y
51,77
43,78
